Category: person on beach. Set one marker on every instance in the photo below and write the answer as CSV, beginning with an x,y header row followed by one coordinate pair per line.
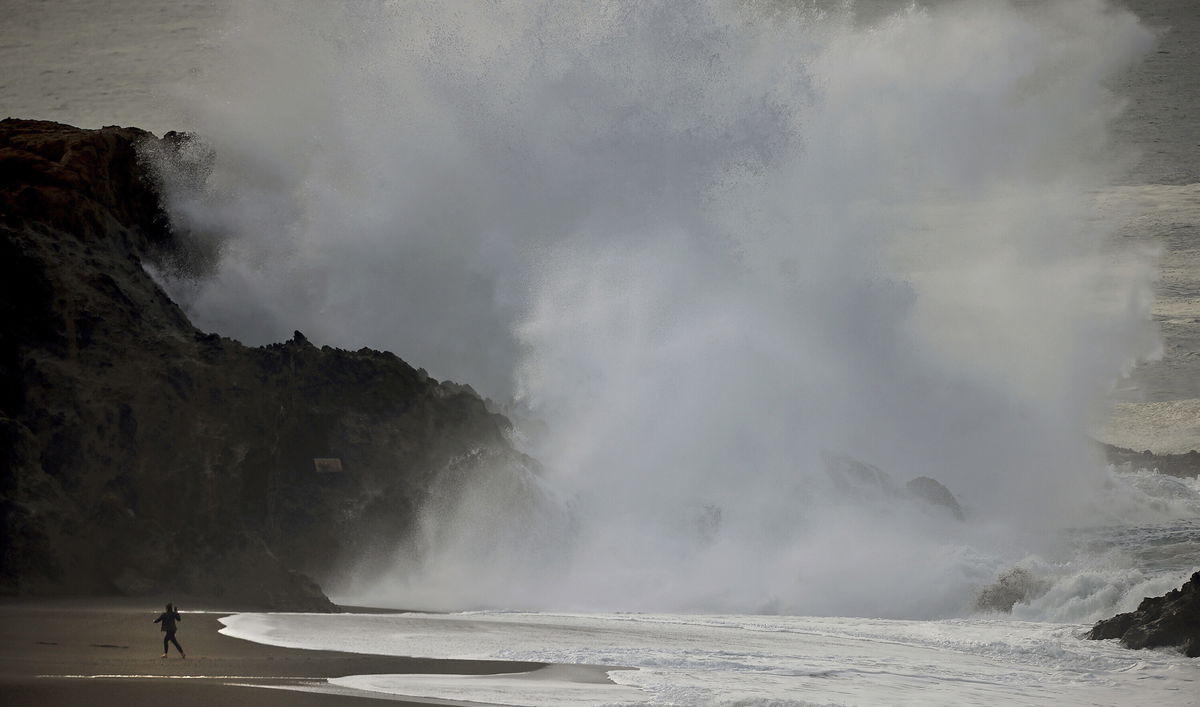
x,y
168,619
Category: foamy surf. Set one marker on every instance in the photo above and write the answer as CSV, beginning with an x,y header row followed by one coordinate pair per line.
x,y
747,660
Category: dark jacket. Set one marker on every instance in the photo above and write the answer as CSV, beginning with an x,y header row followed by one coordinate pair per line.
x,y
168,620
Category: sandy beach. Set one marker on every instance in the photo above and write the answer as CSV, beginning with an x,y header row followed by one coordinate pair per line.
x,y
106,652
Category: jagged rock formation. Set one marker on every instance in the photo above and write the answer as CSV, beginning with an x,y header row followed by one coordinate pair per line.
x,y
1181,465
1170,620
142,455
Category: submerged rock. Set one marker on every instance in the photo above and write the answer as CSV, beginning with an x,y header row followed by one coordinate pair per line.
x,y
1170,620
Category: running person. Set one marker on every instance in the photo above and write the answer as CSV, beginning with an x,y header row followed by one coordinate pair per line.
x,y
168,620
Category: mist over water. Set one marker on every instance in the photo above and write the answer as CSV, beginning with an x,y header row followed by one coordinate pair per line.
x,y
709,246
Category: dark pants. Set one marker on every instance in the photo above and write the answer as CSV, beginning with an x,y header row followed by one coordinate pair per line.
x,y
170,637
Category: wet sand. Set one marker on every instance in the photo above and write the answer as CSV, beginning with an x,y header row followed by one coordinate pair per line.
x,y
106,652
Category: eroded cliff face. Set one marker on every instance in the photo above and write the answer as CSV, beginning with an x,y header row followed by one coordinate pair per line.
x,y
141,455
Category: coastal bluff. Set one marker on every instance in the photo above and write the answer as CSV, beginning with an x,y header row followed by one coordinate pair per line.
x,y
142,456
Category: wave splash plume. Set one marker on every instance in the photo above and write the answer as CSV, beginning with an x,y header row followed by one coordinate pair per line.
x,y
705,248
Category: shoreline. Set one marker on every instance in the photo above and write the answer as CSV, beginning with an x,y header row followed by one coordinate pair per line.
x,y
105,651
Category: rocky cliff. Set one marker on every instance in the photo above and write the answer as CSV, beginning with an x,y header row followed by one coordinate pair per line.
x,y
140,455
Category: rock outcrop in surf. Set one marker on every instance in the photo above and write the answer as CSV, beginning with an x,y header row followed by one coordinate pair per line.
x,y
141,455
1170,620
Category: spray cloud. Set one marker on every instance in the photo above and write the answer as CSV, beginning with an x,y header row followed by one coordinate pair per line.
x,y
711,244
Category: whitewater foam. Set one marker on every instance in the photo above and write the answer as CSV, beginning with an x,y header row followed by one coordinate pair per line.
x,y
678,659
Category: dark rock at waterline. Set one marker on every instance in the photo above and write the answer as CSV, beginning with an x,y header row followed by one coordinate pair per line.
x,y
1181,465
139,455
1172,620
1016,585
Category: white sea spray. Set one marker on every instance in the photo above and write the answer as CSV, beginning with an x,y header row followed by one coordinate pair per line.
x,y
706,244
